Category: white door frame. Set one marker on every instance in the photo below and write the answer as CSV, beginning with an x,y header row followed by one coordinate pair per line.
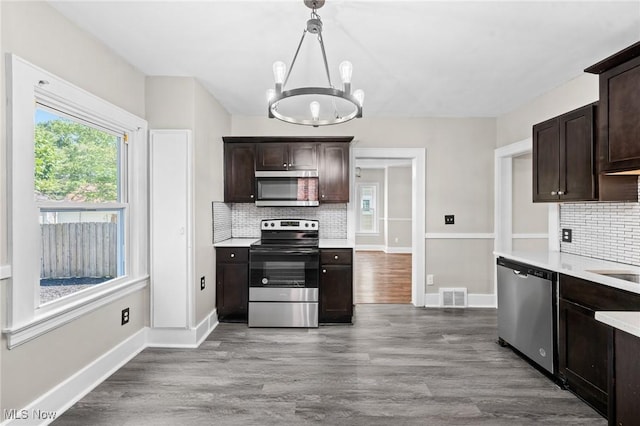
x,y
418,218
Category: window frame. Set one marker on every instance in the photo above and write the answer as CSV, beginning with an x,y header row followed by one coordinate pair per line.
x,y
374,207
26,317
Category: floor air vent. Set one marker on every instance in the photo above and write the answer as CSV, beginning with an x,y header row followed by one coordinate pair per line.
x,y
453,297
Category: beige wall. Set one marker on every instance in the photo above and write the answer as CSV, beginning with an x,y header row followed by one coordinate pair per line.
x,y
459,180
39,34
182,103
516,125
399,206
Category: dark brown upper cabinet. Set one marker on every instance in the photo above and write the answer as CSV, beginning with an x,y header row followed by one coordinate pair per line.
x,y
619,126
239,172
564,166
334,173
329,155
286,156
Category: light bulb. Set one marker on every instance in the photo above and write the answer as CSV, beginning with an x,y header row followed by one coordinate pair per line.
x,y
315,110
279,71
271,93
359,95
346,69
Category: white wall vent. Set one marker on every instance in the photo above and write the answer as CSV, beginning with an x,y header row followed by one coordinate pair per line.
x,y
453,297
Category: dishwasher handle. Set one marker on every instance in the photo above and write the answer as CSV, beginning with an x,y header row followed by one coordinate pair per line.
x,y
520,274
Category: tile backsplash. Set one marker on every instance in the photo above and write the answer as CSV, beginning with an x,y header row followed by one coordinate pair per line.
x,y
242,220
609,231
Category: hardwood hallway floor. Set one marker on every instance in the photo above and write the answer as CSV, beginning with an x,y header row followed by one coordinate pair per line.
x,y
397,365
382,278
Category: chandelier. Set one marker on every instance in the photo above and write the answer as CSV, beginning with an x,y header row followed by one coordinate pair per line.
x,y
342,104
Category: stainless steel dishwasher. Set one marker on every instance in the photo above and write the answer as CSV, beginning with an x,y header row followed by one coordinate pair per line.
x,y
527,312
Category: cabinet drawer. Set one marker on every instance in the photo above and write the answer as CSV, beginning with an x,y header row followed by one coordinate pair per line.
x,y
336,257
597,296
232,254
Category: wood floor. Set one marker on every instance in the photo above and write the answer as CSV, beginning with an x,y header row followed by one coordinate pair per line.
x,y
382,278
397,365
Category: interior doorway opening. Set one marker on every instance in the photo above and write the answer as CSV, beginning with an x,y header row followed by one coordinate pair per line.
x,y
369,218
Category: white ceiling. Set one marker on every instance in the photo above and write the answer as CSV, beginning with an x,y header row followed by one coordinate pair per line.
x,y
412,58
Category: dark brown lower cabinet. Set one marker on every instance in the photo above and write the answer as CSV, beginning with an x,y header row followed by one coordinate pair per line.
x,y
232,283
586,346
626,380
336,286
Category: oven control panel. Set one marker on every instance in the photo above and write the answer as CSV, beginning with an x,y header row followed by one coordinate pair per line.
x,y
289,224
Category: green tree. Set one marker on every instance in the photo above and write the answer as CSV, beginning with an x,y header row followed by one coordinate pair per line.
x,y
75,162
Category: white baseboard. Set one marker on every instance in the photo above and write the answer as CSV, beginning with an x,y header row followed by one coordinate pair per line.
x,y
60,398
398,250
432,300
370,247
182,337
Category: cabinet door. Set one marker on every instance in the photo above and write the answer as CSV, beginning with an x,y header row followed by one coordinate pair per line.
x,y
303,156
546,161
232,290
336,293
619,127
239,176
584,354
334,173
627,379
272,156
577,149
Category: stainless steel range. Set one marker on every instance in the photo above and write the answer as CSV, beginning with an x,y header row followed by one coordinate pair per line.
x,y
284,272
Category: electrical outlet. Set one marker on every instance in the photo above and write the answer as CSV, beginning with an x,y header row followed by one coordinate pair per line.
x,y
202,284
125,316
566,235
449,219
429,279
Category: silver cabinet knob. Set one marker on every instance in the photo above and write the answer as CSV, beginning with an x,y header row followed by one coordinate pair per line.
x,y
233,255
560,193
335,257
284,165
324,271
322,195
553,192
251,195
290,165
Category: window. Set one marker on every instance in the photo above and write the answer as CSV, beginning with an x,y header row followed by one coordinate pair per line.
x,y
367,208
79,170
77,207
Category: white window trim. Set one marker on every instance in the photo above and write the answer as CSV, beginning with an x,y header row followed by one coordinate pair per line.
x,y
376,224
26,319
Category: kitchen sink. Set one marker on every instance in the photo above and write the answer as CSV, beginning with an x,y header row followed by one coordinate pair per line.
x,y
621,275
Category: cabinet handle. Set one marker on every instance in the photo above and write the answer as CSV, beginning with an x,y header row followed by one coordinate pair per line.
x,y
335,257
553,192
324,271
560,193
233,255
290,165
284,165
251,195
322,195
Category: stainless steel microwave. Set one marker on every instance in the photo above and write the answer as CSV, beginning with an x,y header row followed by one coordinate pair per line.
x,y
287,188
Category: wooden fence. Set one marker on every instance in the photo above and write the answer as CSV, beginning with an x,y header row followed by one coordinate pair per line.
x,y
79,250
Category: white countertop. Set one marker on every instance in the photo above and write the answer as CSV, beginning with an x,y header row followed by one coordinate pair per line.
x,y
236,242
577,266
625,321
324,242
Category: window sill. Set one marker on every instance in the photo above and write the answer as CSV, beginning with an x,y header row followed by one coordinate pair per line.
x,y
54,318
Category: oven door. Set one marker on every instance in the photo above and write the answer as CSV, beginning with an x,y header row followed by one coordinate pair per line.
x,y
284,268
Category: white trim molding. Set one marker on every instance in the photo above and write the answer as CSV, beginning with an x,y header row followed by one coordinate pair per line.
x,y
529,236
459,236
182,338
59,399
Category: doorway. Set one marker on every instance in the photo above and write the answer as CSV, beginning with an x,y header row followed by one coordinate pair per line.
x,y
414,248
